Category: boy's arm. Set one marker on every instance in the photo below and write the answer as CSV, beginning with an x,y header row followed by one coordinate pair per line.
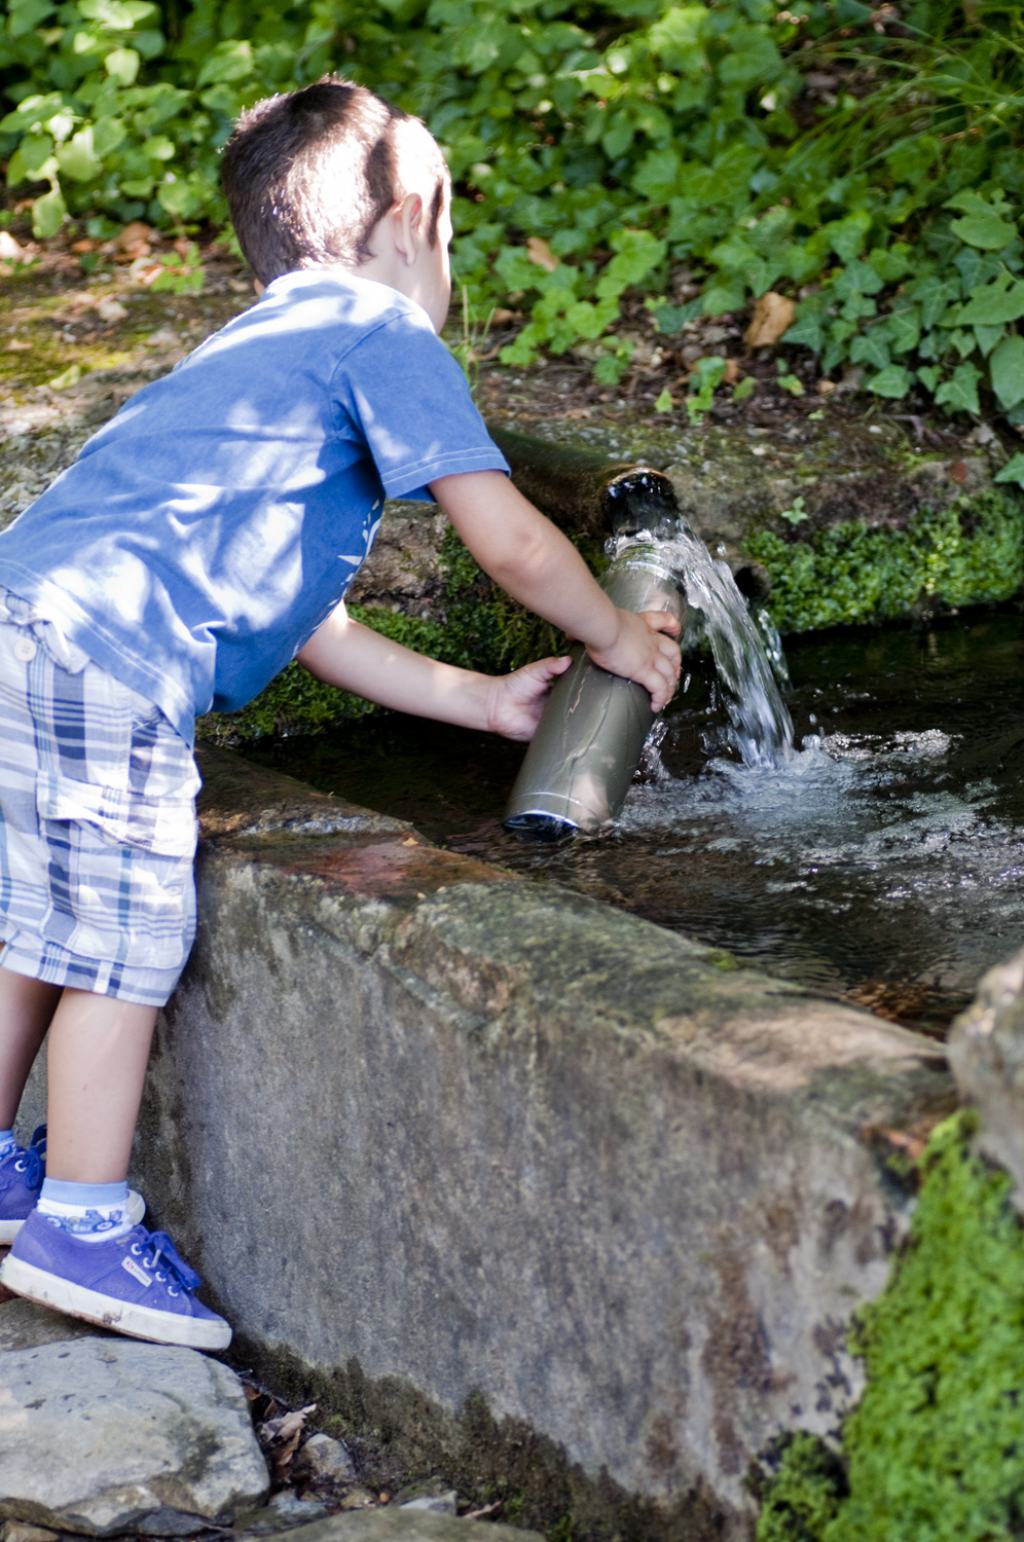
x,y
347,654
535,563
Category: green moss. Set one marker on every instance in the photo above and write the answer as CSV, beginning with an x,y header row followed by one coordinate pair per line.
x,y
488,627
805,1493
968,554
294,701
934,1452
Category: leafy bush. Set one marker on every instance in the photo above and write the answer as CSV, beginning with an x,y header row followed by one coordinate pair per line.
x,y
863,162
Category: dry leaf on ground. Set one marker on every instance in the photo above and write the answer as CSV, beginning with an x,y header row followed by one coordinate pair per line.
x,y
280,1438
539,252
773,315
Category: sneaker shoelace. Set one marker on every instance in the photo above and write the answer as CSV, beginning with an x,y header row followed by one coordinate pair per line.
x,y
26,1162
157,1252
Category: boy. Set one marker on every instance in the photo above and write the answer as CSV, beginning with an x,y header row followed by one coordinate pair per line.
x,y
204,538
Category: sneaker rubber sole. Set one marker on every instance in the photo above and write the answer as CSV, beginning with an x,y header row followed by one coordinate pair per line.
x,y
137,1322
136,1210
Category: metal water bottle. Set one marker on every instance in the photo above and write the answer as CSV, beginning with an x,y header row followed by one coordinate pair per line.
x,y
582,758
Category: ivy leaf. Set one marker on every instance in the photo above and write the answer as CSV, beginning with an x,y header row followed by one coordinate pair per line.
x,y
892,263
228,61
982,224
870,348
616,139
637,253
107,134
986,231
903,329
857,278
893,381
670,319
976,268
1007,369
929,376
78,159
609,370
752,60
1013,471
994,305
960,392
122,65
807,329
118,15
25,16
962,341
32,161
34,112
847,236
719,299
675,38
48,214
986,339
657,176
934,295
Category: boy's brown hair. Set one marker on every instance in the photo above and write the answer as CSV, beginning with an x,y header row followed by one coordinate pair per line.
x,y
308,174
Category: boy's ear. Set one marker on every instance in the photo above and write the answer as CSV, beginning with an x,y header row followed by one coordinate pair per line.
x,y
408,217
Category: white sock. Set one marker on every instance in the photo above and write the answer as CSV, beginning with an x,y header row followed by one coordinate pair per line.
x,y
92,1212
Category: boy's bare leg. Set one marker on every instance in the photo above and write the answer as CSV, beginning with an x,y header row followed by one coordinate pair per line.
x,y
26,1007
96,1066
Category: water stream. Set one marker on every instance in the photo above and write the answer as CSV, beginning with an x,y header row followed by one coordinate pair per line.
x,y
749,661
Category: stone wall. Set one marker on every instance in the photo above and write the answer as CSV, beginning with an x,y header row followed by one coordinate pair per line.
x,y
532,1187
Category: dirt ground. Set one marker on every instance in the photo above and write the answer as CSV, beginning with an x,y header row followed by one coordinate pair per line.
x,y
88,322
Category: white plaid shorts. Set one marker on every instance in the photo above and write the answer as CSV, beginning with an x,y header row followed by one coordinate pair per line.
x,y
97,821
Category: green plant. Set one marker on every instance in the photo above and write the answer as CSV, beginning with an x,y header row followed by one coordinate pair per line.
x,y
706,375
469,343
932,1453
864,162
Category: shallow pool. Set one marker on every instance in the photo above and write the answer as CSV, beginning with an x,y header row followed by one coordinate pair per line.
x,y
884,863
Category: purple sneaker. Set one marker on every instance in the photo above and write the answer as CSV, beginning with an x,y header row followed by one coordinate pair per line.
x,y
135,1283
21,1177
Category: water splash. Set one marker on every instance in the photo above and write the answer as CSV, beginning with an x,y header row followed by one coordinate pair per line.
x,y
750,666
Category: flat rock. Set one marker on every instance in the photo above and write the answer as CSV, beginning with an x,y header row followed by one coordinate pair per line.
x,y
397,1525
986,1052
151,1440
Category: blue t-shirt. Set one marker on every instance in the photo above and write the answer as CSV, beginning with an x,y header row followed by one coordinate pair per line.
x,y
208,529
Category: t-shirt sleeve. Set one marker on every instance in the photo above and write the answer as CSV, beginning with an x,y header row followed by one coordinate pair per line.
x,y
407,397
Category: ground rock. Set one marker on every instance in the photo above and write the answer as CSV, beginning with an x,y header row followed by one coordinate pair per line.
x,y
436,1504
323,1459
398,1525
283,1512
23,1325
986,1051
152,1440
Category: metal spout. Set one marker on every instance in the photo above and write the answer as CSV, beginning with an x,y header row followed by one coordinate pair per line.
x,y
580,762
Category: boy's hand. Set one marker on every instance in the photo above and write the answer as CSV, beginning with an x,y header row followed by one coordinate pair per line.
x,y
515,702
646,651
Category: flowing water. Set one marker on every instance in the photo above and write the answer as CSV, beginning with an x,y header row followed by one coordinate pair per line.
x,y
878,858
749,661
